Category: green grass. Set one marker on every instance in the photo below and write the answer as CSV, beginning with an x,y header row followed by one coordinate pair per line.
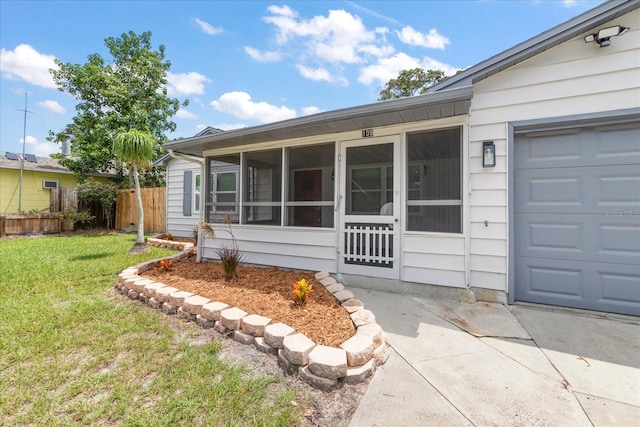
x,y
73,353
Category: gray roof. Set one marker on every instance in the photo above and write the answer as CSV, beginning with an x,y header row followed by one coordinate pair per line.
x,y
578,26
44,164
398,111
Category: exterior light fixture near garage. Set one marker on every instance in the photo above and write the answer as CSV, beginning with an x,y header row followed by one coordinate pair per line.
x,y
603,36
488,154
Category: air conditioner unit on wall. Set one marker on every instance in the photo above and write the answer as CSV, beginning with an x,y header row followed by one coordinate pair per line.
x,y
49,184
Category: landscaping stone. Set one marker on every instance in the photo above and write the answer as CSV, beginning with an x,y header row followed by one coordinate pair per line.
x,y
262,346
168,309
219,327
231,317
132,294
321,275
358,374
143,298
194,304
374,331
122,277
178,297
328,362
128,283
353,305
163,294
212,310
381,354
242,338
325,384
154,303
287,366
363,317
335,287
185,315
254,324
203,322
139,284
343,295
327,281
359,349
275,333
297,348
150,289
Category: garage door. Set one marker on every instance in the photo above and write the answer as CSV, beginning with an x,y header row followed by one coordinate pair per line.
x,y
577,217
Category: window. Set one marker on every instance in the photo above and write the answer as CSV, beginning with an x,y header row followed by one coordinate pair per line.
x,y
369,179
434,181
311,186
196,193
223,198
262,177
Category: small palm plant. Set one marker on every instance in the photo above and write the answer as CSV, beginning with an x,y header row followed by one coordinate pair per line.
x,y
301,291
135,148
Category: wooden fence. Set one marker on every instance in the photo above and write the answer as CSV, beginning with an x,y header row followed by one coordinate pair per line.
x,y
154,203
34,224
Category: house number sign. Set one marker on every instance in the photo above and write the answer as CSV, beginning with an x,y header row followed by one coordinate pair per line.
x,y
367,133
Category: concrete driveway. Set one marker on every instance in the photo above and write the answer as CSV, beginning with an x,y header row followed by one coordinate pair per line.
x,y
484,364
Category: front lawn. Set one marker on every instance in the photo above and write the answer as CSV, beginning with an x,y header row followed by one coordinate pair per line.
x,y
73,353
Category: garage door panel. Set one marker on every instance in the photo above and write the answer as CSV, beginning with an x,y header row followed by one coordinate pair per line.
x,y
577,218
579,284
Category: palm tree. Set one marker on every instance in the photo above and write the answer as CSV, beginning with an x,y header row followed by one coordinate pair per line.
x,y
135,148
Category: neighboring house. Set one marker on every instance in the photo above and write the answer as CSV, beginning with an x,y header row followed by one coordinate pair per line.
x,y
40,175
184,185
411,190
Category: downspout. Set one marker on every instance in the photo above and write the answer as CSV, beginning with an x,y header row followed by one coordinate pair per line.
x,y
200,162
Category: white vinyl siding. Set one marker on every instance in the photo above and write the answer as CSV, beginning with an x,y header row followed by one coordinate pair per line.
x,y
570,79
177,223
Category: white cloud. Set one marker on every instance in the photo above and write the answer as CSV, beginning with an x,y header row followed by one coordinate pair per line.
x,y
320,74
184,114
388,68
26,63
312,109
262,56
52,106
240,105
430,40
183,84
339,37
208,28
43,149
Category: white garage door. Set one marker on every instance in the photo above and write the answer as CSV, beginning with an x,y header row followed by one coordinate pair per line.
x,y
577,218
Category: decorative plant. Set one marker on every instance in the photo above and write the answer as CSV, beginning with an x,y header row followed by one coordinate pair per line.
x,y
230,256
301,291
165,265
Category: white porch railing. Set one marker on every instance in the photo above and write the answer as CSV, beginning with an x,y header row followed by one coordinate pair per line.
x,y
368,244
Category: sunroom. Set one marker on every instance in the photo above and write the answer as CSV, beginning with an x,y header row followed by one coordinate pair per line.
x,y
374,191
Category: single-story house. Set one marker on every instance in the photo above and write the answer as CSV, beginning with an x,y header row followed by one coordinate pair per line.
x,y
40,176
183,179
518,178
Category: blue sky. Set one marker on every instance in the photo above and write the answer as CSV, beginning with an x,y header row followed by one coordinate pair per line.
x,y
245,63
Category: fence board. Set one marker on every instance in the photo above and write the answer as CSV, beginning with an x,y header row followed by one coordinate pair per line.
x,y
154,207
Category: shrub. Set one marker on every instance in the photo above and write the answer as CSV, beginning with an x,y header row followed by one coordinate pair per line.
x,y
165,265
301,291
230,259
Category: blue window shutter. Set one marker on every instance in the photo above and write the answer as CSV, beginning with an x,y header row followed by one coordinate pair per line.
x,y
187,193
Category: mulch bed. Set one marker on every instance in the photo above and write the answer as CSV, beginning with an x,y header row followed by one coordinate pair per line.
x,y
266,291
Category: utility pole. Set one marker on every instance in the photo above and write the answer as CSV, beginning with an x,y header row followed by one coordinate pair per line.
x,y
24,140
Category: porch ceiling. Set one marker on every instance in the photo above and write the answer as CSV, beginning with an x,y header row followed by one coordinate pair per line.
x,y
431,106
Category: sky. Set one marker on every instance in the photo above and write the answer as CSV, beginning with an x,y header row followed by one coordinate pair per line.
x,y
246,63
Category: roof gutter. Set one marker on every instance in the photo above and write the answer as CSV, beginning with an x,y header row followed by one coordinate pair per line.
x,y
200,162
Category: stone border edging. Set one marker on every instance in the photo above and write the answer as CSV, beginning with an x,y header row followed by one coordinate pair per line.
x,y
321,366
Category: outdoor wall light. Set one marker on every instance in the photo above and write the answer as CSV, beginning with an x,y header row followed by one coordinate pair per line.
x,y
488,154
603,36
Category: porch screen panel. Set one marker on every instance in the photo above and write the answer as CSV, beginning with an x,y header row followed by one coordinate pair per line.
x,y
434,181
223,198
262,177
369,179
311,186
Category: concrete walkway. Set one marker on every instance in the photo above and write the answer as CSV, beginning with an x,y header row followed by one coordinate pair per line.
x,y
485,364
